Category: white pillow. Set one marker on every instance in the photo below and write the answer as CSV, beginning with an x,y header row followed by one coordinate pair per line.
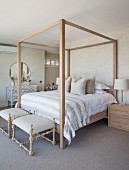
x,y
100,91
78,86
67,84
100,86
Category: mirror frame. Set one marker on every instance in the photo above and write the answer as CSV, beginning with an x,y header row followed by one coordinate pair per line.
x,y
23,78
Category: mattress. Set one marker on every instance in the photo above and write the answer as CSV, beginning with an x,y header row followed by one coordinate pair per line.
x,y
78,108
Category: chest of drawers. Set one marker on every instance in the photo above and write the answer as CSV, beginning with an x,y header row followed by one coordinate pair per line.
x,y
12,92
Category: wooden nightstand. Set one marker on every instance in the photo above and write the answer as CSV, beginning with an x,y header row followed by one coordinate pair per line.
x,y
118,116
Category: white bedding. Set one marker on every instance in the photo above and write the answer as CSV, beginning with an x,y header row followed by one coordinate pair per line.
x,y
78,108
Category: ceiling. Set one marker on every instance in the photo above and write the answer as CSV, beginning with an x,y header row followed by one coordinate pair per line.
x,y
19,18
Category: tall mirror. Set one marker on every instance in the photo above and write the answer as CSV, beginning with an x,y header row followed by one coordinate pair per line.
x,y
25,72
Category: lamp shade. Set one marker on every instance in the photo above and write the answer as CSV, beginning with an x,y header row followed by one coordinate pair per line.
x,y
57,81
121,84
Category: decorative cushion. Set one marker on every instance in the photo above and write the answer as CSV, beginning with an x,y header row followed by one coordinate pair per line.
x,y
13,111
39,123
78,86
67,84
100,86
90,85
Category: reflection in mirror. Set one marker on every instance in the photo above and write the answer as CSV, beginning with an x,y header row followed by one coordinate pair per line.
x,y
25,72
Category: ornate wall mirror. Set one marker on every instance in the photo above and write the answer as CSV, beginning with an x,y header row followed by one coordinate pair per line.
x,y
25,72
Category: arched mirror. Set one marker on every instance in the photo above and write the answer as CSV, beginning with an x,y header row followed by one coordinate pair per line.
x,y
25,72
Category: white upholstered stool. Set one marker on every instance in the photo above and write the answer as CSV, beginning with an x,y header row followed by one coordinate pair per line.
x,y
33,125
8,115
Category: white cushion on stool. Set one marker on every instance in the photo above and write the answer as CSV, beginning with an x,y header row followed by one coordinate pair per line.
x,y
39,123
13,111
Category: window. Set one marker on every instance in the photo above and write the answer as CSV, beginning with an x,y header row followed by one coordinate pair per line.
x,y
47,62
51,62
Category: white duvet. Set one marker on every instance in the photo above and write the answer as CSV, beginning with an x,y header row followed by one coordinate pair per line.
x,y
78,108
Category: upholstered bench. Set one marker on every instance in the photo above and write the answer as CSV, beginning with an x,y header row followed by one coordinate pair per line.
x,y
36,126
8,115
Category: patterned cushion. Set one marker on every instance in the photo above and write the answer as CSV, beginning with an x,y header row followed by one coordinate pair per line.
x,y
78,86
90,85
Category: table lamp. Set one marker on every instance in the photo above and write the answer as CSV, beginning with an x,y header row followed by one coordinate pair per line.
x,y
57,81
121,84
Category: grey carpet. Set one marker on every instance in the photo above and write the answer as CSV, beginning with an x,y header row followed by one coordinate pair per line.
x,y
95,147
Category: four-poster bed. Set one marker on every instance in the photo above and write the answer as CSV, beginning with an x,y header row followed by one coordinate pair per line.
x,y
61,24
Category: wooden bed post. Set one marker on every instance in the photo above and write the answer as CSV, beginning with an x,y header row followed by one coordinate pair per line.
x,y
68,63
114,64
61,24
62,82
19,74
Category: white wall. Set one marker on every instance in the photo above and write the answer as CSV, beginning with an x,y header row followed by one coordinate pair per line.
x,y
5,62
34,58
97,61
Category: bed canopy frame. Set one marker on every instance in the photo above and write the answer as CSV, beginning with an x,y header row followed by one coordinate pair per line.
x,y
61,23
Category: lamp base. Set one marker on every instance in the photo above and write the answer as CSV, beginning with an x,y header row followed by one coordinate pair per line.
x,y
122,101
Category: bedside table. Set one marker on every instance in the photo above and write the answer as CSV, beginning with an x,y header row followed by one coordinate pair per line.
x,y
118,116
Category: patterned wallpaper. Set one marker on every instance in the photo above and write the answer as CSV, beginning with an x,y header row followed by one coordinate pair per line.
x,y
97,61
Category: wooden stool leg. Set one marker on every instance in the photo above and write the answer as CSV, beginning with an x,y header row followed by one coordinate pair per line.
x,y
31,140
13,128
13,135
9,125
54,132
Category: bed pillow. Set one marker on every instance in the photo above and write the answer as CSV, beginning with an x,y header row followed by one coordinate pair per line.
x,y
100,86
78,86
90,86
100,91
67,84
